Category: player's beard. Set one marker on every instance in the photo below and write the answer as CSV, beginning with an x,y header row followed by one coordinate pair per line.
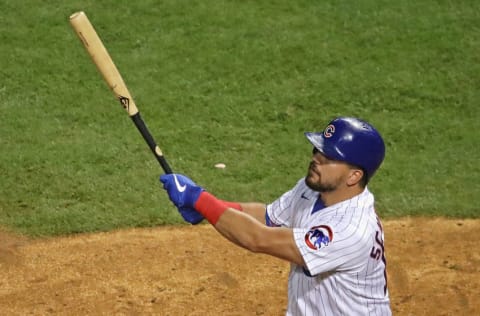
x,y
318,185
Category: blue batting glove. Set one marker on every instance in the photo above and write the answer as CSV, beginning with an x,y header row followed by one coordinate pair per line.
x,y
182,191
190,215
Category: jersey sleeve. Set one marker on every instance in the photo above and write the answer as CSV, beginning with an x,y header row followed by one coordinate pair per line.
x,y
279,212
327,248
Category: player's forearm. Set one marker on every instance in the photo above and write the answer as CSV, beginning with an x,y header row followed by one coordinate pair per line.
x,y
248,233
240,233
239,228
256,210
245,231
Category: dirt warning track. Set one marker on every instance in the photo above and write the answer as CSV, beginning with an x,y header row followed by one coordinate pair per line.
x,y
433,268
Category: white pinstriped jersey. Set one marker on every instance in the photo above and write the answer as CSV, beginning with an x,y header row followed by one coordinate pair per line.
x,y
342,247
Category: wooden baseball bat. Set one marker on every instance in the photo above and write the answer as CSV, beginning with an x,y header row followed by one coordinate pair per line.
x,y
100,56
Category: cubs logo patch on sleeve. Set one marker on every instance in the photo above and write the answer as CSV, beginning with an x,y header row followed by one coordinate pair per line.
x,y
318,237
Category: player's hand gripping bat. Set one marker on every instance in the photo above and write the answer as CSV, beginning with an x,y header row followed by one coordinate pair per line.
x,y
93,44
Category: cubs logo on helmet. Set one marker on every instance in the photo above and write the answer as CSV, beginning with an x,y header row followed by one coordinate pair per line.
x,y
329,130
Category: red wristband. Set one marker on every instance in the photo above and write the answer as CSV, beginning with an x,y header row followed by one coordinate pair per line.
x,y
233,205
210,207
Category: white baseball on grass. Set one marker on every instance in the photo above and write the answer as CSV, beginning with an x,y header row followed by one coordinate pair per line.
x,y
220,165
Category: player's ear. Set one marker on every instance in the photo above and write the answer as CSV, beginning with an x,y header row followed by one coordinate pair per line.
x,y
354,176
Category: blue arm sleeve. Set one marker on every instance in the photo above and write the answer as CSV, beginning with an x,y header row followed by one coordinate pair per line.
x,y
268,221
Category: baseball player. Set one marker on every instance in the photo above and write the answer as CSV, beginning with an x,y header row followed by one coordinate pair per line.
x,y
326,225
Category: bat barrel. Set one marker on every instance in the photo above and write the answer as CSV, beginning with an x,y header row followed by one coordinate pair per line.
x,y
101,58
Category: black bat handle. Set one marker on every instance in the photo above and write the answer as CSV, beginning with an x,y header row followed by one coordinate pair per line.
x,y
142,128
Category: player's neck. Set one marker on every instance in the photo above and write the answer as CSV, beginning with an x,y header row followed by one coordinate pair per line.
x,y
340,195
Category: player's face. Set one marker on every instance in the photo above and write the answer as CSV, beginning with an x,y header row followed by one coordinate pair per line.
x,y
326,175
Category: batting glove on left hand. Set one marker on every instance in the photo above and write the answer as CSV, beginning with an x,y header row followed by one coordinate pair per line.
x,y
190,215
182,191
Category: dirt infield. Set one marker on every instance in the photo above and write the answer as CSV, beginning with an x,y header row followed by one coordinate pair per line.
x,y
433,269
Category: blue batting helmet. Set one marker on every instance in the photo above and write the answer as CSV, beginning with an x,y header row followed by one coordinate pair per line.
x,y
353,141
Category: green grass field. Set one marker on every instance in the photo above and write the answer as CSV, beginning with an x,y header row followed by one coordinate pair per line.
x,y
236,82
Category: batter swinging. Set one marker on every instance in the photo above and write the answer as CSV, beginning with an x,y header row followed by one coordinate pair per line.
x,y
326,225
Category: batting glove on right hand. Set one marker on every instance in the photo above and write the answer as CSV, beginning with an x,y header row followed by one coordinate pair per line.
x,y
182,191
